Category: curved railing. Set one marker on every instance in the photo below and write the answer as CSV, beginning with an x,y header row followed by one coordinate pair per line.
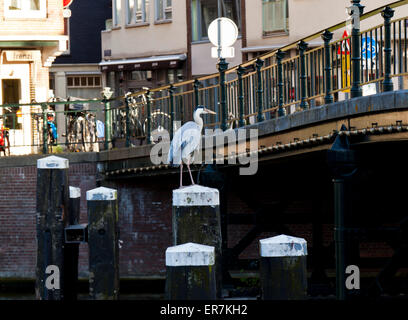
x,y
283,81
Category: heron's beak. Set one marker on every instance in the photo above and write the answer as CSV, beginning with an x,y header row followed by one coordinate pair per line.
x,y
209,111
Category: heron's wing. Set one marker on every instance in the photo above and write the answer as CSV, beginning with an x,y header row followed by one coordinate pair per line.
x,y
184,142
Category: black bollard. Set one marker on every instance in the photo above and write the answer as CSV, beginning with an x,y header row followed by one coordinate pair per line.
x,y
196,218
71,249
51,210
190,272
283,268
103,243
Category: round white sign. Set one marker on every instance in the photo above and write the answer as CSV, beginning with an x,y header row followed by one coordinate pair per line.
x,y
229,32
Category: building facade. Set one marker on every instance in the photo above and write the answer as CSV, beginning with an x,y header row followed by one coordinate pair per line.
x,y
156,42
76,72
145,45
31,37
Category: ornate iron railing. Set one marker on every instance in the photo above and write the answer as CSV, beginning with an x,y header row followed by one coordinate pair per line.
x,y
287,80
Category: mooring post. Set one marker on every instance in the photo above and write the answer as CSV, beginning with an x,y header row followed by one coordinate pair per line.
x,y
51,211
191,273
103,243
196,218
283,268
71,250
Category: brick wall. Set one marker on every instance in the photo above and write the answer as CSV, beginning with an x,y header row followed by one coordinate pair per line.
x,y
144,220
17,217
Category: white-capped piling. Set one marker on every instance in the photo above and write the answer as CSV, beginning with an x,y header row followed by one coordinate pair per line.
x,y
190,272
196,218
51,210
283,268
103,243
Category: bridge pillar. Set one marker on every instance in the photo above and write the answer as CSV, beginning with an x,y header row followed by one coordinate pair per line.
x,y
190,272
342,162
196,218
103,243
283,268
52,204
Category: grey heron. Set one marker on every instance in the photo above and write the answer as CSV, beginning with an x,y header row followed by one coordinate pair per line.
x,y
186,140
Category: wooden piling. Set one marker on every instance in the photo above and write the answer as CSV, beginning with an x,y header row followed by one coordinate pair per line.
x,y
196,218
190,272
71,250
103,243
283,268
51,210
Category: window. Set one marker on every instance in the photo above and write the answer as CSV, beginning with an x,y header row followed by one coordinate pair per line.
x,y
138,75
117,11
137,11
25,8
11,94
275,16
174,75
83,81
163,10
203,12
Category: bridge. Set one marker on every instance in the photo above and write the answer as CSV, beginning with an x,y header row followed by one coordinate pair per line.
x,y
303,102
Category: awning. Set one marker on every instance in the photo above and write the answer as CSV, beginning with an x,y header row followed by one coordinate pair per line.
x,y
147,63
78,73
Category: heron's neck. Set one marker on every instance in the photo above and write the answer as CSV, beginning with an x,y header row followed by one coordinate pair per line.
x,y
198,119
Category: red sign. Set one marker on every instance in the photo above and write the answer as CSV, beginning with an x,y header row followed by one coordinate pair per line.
x,y
344,48
67,3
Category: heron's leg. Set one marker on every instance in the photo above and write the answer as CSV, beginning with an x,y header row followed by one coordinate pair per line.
x,y
189,171
181,173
